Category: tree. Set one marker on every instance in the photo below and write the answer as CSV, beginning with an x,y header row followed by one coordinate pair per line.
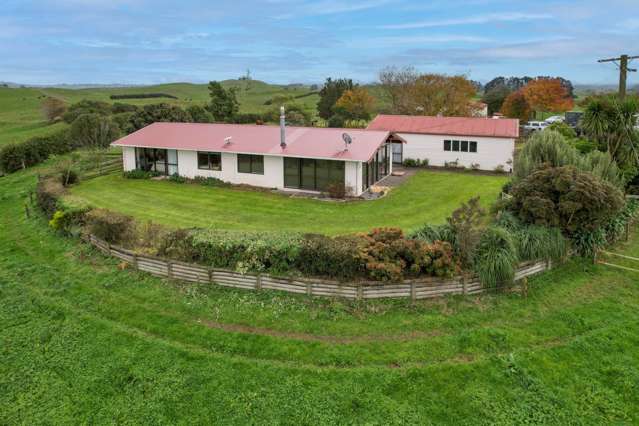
x,y
355,104
511,83
495,98
516,106
94,131
566,198
53,108
224,104
199,114
412,93
155,113
547,94
611,123
86,106
330,94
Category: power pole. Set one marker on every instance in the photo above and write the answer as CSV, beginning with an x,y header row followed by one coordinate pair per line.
x,y
622,63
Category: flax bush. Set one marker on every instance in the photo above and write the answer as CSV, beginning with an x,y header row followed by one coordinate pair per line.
x,y
496,258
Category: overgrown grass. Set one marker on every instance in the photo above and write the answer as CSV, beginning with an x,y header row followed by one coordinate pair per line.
x,y
84,342
428,197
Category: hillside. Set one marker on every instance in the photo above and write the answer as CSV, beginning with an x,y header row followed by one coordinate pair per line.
x,y
21,117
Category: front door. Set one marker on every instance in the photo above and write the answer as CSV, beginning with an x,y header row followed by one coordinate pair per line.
x,y
398,152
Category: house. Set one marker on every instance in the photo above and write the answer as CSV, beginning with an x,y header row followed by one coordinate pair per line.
x,y
287,158
482,143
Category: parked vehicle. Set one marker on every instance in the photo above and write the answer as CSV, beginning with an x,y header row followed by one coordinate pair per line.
x,y
535,125
573,118
554,119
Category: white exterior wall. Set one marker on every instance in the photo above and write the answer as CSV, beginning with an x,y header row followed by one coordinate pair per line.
x,y
128,158
491,152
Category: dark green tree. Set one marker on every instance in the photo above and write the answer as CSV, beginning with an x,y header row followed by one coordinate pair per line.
x,y
94,131
495,98
159,113
224,104
86,106
330,93
199,114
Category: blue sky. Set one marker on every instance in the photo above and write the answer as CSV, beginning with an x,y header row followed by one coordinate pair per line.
x,y
286,41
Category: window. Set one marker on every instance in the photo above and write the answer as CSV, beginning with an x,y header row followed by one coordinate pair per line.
x,y
209,161
446,145
455,145
464,146
312,175
473,146
247,163
156,160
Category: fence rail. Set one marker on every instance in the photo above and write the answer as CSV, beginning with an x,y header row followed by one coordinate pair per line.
x,y
424,288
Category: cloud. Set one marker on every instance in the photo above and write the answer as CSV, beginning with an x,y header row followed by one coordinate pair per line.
x,y
470,20
393,41
330,7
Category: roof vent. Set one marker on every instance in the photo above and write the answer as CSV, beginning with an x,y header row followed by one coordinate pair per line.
x,y
228,140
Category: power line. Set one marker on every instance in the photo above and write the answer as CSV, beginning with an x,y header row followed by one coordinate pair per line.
x,y
622,64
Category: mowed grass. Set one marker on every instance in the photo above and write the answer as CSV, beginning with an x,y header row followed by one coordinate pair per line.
x,y
82,341
427,197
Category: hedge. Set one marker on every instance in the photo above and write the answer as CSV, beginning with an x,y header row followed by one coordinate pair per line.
x,y
14,157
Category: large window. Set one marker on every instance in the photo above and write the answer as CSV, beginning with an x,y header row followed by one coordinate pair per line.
x,y
156,160
312,175
247,163
209,161
460,146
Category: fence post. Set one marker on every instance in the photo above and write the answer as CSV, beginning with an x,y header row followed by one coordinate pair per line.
x,y
258,282
360,292
210,273
464,284
413,291
309,289
627,230
169,269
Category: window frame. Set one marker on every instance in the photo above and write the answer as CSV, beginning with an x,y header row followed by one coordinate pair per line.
x,y
253,161
470,147
209,154
448,143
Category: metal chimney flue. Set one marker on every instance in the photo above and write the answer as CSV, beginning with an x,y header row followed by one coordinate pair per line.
x,y
282,128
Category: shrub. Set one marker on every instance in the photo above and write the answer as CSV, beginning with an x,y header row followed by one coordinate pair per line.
x,y
323,256
177,178
48,192
209,181
14,157
336,190
388,256
86,107
119,108
69,177
588,242
139,174
566,198
111,227
499,168
245,251
495,259
465,223
415,162
68,219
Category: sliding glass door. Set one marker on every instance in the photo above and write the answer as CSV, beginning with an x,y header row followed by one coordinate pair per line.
x,y
162,161
312,175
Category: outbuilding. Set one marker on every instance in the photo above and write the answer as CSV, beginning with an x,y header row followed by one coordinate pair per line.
x,y
479,143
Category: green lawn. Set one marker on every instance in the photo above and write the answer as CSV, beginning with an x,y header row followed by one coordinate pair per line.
x,y
82,341
428,197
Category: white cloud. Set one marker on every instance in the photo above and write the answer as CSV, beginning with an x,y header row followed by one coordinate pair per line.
x,y
469,20
406,41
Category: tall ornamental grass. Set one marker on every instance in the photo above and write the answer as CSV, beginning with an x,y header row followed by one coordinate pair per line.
x,y
496,258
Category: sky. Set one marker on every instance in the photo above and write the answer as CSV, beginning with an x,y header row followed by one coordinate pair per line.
x,y
305,41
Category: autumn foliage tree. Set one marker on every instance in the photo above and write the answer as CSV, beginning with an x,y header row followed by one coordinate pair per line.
x,y
355,104
516,106
53,108
412,93
547,94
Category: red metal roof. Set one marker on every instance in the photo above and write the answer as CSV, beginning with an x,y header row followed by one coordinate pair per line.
x,y
454,126
307,142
